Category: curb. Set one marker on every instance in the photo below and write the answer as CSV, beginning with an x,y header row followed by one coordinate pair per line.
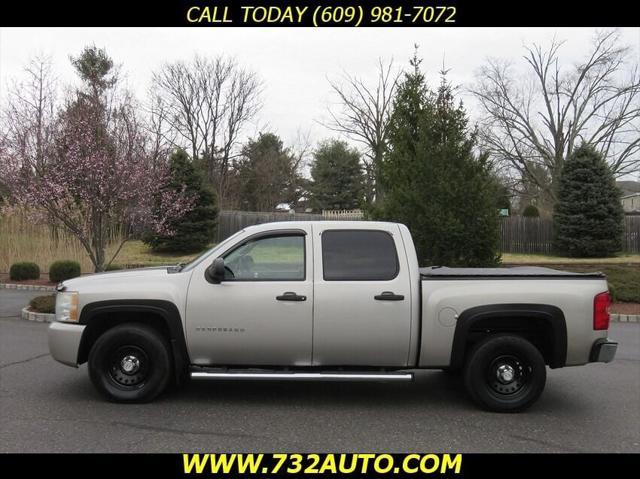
x,y
39,317
626,318
27,287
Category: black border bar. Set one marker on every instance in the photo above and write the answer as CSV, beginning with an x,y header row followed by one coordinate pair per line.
x,y
469,13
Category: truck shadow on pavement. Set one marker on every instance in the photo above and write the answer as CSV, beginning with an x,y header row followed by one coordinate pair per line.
x,y
434,390
432,387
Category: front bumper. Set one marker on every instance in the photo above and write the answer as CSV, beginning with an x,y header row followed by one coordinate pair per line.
x,y
64,342
603,351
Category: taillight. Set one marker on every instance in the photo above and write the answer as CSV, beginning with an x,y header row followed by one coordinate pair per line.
x,y
601,304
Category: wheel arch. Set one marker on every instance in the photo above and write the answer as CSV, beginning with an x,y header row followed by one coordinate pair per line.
x,y
162,315
544,319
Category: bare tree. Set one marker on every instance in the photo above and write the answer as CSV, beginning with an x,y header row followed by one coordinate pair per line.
x,y
301,150
362,114
29,117
160,139
203,106
540,120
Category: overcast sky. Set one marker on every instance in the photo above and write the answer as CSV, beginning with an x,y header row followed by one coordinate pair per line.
x,y
294,64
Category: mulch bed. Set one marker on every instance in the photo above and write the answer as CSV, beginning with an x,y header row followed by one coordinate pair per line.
x,y
43,281
625,308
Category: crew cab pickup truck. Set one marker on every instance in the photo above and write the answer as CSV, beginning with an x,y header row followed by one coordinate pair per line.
x,y
330,300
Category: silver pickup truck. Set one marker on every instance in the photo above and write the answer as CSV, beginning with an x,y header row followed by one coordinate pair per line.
x,y
337,300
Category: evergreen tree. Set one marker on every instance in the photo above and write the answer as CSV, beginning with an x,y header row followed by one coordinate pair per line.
x,y
588,215
337,177
194,231
268,174
432,180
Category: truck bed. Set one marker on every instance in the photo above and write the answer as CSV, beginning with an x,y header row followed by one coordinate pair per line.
x,y
443,272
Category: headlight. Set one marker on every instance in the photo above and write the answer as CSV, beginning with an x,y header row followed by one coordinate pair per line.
x,y
67,306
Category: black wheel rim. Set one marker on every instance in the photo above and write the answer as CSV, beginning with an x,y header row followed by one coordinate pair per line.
x,y
128,367
508,375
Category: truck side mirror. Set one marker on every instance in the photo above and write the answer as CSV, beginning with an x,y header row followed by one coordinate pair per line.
x,y
215,273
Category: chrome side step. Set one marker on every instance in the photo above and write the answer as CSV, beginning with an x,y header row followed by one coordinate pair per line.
x,y
202,374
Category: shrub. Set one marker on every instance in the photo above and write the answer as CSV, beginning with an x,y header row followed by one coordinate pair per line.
x,y
24,270
531,211
624,283
613,292
44,304
624,280
61,270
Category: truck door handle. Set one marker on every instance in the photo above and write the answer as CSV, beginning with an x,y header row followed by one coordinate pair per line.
x,y
291,296
389,296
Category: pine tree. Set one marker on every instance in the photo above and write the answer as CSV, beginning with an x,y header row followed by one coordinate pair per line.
x,y
195,230
588,215
434,183
268,174
337,177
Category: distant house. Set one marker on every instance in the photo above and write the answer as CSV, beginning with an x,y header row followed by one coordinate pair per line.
x,y
628,187
631,203
284,208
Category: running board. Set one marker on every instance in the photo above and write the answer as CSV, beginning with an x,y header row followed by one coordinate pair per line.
x,y
202,374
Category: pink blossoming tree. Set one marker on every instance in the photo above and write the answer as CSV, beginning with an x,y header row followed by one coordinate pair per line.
x,y
100,177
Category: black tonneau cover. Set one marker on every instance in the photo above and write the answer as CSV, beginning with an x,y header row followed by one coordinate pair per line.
x,y
443,272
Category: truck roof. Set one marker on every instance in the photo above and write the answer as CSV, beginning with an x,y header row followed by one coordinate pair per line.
x,y
343,224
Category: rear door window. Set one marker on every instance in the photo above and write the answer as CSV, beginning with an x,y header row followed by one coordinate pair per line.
x,y
358,255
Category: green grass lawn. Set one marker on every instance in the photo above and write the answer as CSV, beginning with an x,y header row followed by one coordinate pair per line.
x,y
136,253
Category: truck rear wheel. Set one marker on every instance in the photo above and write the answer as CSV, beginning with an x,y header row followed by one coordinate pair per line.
x,y
505,373
130,363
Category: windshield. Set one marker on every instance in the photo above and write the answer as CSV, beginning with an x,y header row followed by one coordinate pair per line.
x,y
199,259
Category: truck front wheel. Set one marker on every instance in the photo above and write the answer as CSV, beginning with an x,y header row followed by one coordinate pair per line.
x,y
505,373
130,363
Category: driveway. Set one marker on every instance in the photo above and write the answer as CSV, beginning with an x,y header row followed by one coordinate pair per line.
x,y
47,407
13,300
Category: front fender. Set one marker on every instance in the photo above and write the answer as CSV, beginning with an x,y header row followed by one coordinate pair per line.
x,y
100,315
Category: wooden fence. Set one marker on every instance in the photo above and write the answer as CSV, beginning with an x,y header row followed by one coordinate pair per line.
x,y
343,215
231,221
518,234
535,235
526,235
631,238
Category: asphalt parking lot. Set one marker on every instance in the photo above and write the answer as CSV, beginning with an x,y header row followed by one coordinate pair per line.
x,y
48,407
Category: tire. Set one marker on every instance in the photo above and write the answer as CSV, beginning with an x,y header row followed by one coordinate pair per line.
x,y
505,374
130,363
